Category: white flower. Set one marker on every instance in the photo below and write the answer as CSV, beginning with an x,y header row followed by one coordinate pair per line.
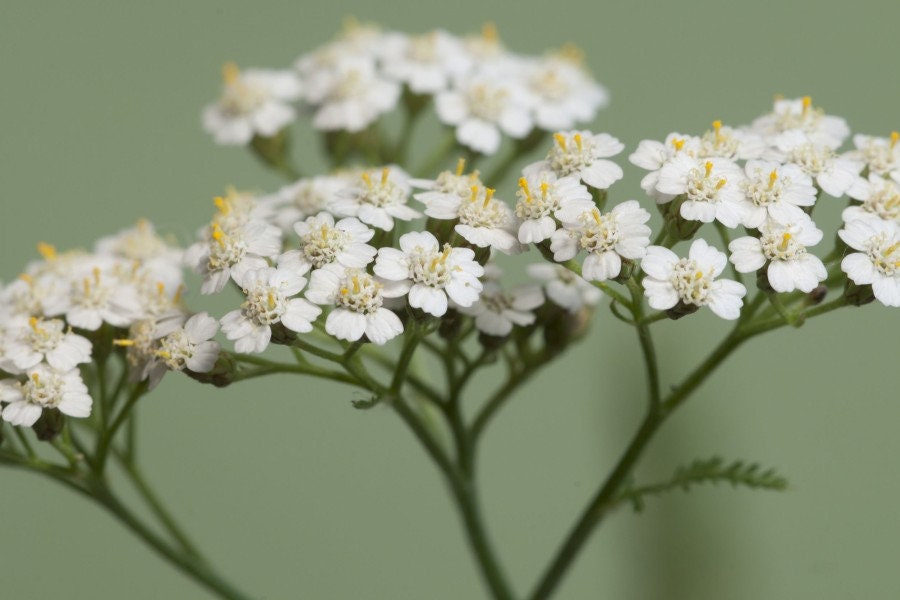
x,y
159,259
653,155
97,295
564,287
800,115
692,280
426,63
712,188
431,273
44,387
775,191
322,242
253,102
880,155
484,220
582,154
304,198
734,144
880,197
350,94
268,302
230,252
357,300
878,261
561,92
783,247
354,39
47,340
834,174
541,197
497,310
620,233
191,346
377,199
447,190
481,108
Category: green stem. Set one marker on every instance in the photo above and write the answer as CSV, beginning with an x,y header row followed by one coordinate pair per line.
x,y
108,434
646,341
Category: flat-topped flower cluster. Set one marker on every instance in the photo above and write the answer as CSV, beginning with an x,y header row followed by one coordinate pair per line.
x,y
479,87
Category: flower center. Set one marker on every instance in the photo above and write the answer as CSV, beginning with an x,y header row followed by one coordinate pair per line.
x,y
382,193
811,158
497,302
885,255
482,212
226,251
239,97
600,233
807,119
538,204
265,304
44,389
763,192
309,199
44,336
359,292
781,245
486,102
91,294
702,186
430,267
548,83
175,349
570,154
719,142
321,246
457,183
884,202
423,48
691,283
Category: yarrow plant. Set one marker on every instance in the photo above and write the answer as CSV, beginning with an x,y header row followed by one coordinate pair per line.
x,y
384,259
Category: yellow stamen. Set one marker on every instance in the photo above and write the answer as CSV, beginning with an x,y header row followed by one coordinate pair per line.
x,y
367,179
523,183
488,194
544,187
678,143
577,138
384,176
709,167
344,291
460,166
895,137
721,183
597,217
271,301
33,322
474,190
163,354
698,275
47,251
489,32
161,288
222,204
230,73
785,238
218,234
355,284
807,103
36,378
96,272
446,253
324,232
773,177
86,285
891,250
717,127
125,343
561,140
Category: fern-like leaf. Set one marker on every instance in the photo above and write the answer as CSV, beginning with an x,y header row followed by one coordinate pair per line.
x,y
712,470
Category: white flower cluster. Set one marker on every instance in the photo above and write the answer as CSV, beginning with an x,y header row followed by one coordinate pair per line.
x,y
56,312
766,178
479,87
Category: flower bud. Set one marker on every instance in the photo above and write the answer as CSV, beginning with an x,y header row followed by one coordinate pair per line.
x,y
858,295
681,310
49,425
222,373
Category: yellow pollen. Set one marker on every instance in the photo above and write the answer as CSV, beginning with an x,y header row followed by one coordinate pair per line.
x,y
384,176
222,204
773,177
324,232
163,354
708,166
488,194
678,143
36,379
561,140
698,275
367,179
47,251
721,183
230,73
355,284
489,32
86,284
218,234
344,291
125,343
891,249
577,138
460,166
96,272
597,217
807,103
523,183
785,238
544,187
895,137
33,322
474,190
717,127
446,253
271,301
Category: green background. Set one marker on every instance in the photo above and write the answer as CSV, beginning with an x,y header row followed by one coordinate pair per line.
x,y
297,495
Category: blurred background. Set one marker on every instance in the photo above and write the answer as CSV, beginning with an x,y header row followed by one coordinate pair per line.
x,y
296,494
